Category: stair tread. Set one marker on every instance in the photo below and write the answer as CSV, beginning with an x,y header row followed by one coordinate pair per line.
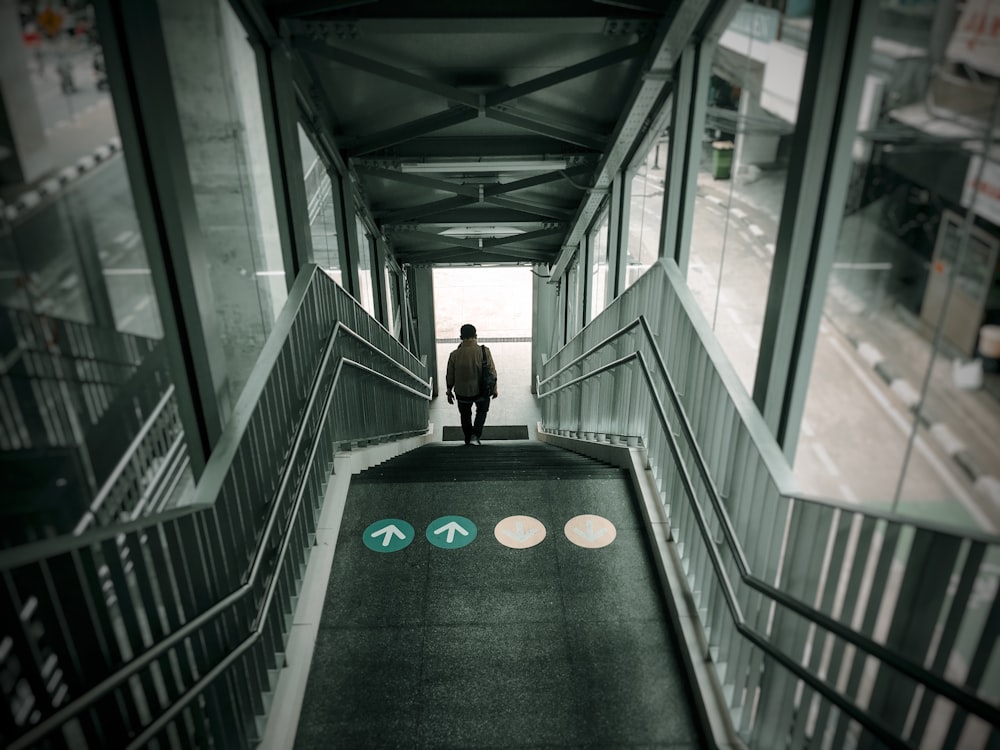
x,y
511,461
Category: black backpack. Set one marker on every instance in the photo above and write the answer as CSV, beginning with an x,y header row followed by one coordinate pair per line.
x,y
487,380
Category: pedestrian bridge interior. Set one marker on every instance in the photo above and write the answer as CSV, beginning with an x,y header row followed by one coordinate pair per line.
x,y
234,516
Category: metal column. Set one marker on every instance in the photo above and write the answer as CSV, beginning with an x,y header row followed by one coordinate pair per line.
x,y
142,90
379,289
347,233
287,177
812,211
544,302
621,196
687,123
422,290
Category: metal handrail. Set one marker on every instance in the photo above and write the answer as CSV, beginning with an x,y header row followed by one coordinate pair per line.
x,y
33,551
120,467
191,626
967,701
885,515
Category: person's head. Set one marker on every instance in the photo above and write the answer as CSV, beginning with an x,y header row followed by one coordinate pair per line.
x,y
468,331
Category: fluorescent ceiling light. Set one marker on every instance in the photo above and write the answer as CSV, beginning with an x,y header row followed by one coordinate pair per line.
x,y
537,165
472,232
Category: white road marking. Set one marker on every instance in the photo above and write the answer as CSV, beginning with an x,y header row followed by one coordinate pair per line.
x,y
848,494
905,426
127,272
825,459
906,392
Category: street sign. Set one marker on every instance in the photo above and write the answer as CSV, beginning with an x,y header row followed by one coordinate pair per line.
x,y
388,535
519,532
50,21
590,531
451,532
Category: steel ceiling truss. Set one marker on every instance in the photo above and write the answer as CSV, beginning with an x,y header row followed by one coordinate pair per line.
x,y
465,105
475,193
557,206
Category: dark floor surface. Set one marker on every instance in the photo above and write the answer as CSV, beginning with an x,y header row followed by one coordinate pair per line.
x,y
487,646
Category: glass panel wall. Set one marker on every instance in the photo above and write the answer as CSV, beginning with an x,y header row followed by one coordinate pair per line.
x,y
570,288
902,410
70,245
599,269
82,320
392,298
366,266
218,99
322,219
645,214
752,109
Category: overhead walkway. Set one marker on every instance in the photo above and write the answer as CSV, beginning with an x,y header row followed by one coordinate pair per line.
x,y
528,629
804,623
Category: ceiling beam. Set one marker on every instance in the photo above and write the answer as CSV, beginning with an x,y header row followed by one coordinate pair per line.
x,y
389,72
478,243
566,74
523,237
579,170
409,130
434,183
453,254
657,70
491,23
435,227
532,207
547,127
424,209
414,235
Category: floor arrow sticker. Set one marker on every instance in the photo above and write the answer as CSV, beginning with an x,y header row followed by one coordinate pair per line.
x,y
590,531
451,532
519,532
388,535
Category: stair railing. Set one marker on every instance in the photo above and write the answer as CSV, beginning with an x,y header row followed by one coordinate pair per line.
x,y
92,412
169,630
829,625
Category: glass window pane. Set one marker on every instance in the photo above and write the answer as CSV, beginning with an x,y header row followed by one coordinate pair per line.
x,y
322,219
571,288
365,266
645,214
218,98
75,252
900,411
753,95
392,299
599,269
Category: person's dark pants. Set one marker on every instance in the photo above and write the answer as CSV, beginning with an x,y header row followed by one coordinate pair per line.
x,y
470,428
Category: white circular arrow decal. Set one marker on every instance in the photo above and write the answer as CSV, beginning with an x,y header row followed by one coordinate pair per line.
x,y
590,531
519,532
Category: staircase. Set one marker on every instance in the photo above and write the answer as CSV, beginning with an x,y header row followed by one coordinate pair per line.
x,y
481,644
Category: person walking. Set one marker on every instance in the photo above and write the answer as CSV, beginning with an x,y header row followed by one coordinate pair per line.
x,y
472,380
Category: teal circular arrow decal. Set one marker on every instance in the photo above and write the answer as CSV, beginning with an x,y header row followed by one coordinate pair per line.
x,y
388,535
451,532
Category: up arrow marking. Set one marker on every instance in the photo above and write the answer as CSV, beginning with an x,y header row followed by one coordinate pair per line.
x,y
451,527
519,534
589,534
388,532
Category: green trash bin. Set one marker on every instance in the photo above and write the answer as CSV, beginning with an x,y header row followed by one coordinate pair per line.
x,y
722,159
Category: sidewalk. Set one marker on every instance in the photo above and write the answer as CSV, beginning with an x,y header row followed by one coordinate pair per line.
x,y
76,145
